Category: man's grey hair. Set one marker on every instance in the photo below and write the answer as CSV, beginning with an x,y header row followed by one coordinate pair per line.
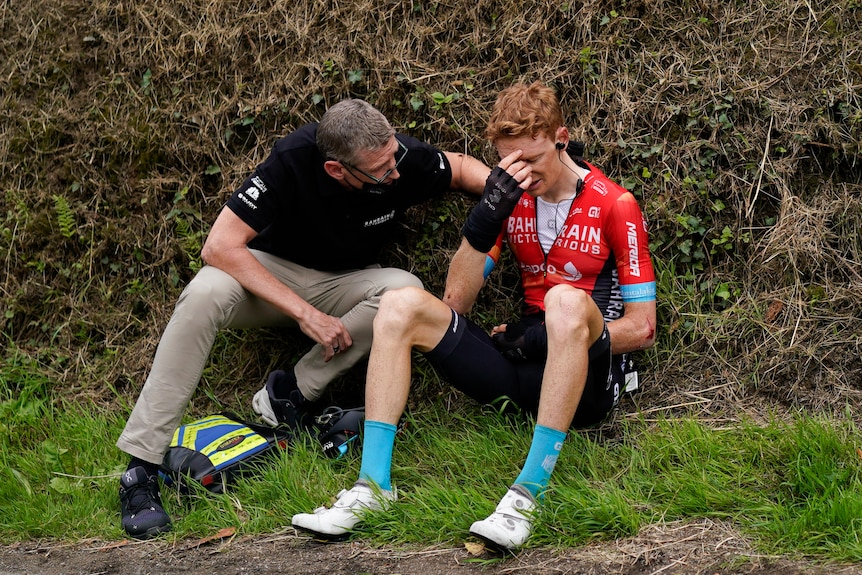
x,y
350,126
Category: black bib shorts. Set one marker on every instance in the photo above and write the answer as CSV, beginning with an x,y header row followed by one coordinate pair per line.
x,y
469,360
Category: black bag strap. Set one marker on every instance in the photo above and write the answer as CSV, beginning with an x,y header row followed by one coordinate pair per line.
x,y
272,434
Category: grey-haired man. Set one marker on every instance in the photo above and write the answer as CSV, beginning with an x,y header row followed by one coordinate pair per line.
x,y
296,245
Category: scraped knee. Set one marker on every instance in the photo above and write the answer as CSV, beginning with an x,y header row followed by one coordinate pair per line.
x,y
401,308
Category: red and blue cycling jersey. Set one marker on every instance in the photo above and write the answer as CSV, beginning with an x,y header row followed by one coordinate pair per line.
x,y
602,249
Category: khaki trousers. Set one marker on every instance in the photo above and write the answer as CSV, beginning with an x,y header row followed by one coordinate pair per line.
x,y
214,300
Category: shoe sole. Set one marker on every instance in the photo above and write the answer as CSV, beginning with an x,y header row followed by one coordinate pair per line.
x,y
322,537
150,533
493,545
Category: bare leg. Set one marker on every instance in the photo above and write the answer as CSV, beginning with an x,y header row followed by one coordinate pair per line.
x,y
408,318
574,323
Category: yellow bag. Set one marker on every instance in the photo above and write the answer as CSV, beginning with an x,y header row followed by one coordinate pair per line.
x,y
214,449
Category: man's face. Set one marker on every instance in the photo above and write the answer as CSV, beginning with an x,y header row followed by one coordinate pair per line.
x,y
540,154
375,168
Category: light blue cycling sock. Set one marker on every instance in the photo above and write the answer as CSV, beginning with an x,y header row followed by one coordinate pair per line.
x,y
377,443
541,460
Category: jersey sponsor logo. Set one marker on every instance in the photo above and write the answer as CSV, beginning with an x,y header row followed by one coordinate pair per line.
x,y
519,225
634,263
595,212
615,308
534,269
380,220
522,230
583,239
590,234
576,246
639,292
600,187
572,274
568,273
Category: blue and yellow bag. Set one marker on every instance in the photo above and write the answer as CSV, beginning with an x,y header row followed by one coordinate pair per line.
x,y
214,449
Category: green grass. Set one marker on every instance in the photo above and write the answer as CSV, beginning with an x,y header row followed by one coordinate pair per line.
x,y
792,487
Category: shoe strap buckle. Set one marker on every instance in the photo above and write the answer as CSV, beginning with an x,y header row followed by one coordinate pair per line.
x,y
330,413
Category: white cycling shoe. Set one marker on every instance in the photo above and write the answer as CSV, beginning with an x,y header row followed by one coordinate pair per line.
x,y
511,524
346,512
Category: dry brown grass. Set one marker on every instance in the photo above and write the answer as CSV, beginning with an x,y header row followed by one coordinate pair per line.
x,y
745,114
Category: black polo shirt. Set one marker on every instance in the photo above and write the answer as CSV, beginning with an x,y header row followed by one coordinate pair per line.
x,y
303,215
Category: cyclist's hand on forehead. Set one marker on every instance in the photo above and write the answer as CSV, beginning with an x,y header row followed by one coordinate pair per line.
x,y
503,189
518,169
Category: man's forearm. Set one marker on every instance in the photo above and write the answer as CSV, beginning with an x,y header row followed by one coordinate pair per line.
x,y
465,279
635,330
240,264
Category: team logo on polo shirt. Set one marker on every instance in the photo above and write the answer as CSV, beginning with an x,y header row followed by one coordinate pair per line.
x,y
380,220
259,184
252,193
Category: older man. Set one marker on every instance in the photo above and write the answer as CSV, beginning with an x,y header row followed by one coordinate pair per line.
x,y
296,245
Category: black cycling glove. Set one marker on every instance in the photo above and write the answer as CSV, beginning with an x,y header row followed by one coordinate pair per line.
x,y
500,197
521,342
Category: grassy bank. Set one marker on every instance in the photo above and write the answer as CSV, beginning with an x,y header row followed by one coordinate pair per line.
x,y
738,126
124,126
793,487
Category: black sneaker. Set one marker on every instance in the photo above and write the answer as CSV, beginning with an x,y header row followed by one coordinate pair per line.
x,y
274,410
141,505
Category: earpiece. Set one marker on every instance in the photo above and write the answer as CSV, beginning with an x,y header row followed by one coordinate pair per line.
x,y
562,146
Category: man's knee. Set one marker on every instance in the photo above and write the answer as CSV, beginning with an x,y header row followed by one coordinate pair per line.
x,y
568,309
400,307
210,292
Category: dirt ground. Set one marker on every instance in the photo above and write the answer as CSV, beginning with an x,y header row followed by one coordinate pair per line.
x,y
694,548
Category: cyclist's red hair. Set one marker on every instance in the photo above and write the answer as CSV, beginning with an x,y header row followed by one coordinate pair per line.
x,y
525,110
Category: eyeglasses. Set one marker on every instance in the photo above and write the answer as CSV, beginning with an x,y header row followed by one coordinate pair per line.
x,y
402,152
